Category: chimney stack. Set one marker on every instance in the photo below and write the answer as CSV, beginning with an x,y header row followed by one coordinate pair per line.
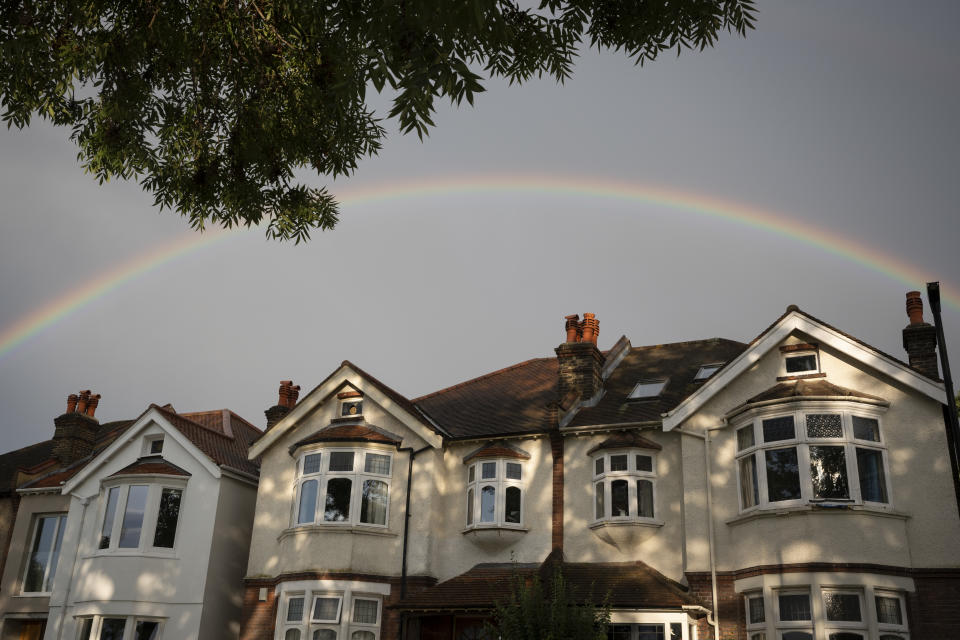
x,y
287,398
920,338
75,431
580,361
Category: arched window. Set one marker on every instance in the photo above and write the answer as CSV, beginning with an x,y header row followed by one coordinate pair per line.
x,y
624,482
495,489
343,486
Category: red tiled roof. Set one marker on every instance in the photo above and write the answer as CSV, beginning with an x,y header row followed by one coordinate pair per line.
x,y
625,584
807,390
626,439
152,465
225,451
497,450
350,433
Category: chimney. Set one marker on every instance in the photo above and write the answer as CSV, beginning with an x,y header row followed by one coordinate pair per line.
x,y
579,359
920,338
287,398
75,431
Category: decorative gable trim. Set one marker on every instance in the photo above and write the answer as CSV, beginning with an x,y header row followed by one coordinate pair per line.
x,y
344,375
823,334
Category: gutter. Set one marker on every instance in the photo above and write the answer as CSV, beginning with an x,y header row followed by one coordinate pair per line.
x,y
713,618
950,409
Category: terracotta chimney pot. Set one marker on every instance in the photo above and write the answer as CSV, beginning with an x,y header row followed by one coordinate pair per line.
x,y
573,327
92,405
82,401
915,307
591,328
294,391
72,402
284,394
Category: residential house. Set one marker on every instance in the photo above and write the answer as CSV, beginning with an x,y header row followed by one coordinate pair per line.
x,y
798,487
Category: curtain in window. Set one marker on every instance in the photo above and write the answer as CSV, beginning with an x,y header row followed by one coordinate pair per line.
x,y
644,498
488,504
373,505
337,508
873,484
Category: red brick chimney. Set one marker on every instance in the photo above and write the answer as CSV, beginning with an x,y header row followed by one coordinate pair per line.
x,y
75,431
287,399
580,361
920,338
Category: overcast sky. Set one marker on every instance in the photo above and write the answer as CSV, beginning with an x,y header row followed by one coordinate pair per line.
x,y
841,115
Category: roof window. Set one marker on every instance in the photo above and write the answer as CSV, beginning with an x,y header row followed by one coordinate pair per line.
x,y
706,371
647,389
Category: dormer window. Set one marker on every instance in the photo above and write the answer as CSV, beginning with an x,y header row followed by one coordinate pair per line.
x,y
800,359
153,445
647,389
706,371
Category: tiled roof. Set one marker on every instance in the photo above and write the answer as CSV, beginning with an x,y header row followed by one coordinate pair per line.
x,y
350,433
626,439
11,463
497,450
626,584
225,451
807,390
151,465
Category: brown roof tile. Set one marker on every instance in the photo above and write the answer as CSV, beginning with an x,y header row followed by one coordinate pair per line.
x,y
497,450
626,439
807,390
225,451
151,465
350,433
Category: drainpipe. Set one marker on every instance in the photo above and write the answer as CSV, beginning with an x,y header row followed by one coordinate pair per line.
x,y
406,530
713,618
950,412
73,570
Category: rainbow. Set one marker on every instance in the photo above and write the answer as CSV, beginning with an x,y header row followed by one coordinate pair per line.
x,y
681,201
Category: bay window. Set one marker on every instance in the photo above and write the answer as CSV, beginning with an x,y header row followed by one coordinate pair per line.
x,y
119,628
822,454
623,485
495,489
44,553
343,486
321,614
140,516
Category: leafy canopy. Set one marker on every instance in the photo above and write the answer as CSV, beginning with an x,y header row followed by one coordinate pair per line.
x,y
533,611
212,105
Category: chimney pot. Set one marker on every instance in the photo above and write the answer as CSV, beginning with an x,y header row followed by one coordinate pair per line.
x,y
915,307
573,328
82,401
92,405
287,397
591,328
72,402
294,394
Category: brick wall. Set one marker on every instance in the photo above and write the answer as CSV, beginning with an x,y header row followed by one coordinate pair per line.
x,y
934,609
732,615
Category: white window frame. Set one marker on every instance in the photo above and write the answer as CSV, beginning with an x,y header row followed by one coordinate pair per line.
x,y
365,626
631,474
902,629
148,528
348,401
357,476
148,442
346,591
800,353
839,626
641,383
802,443
35,530
702,374
129,625
753,627
500,483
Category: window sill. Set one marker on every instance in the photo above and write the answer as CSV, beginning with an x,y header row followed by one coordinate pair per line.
x,y
133,553
627,522
45,594
495,527
834,508
336,528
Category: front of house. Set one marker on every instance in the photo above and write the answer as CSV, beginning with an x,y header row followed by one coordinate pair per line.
x,y
801,482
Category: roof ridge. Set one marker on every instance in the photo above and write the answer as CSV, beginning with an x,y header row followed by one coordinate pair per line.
x,y
196,424
29,446
478,378
683,342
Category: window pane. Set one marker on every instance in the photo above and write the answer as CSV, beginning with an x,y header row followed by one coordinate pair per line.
x,y
341,461
843,607
866,429
799,364
41,554
156,446
890,636
846,635
873,482
365,611
757,613
108,516
745,437
325,609
377,463
363,635
649,389
797,635
351,408
644,463
514,470
676,631
794,606
292,634
373,505
756,636
824,425
311,463
85,628
888,610
112,628
295,609
599,500
644,498
337,508
618,632
471,474
619,498
598,466
488,470
133,517
308,502
618,463
167,516
776,429
324,634
749,489
146,630
706,371
650,632
470,506
512,505
488,504
783,474
828,472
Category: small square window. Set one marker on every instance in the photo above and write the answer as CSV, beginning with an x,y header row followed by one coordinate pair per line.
x,y
776,429
644,463
598,466
488,470
647,389
801,364
156,446
365,611
341,461
295,609
311,463
377,463
706,371
514,470
745,437
888,609
755,611
866,429
326,609
618,462
794,606
842,607
349,408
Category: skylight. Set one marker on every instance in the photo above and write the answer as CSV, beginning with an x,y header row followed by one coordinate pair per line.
x,y
647,389
706,371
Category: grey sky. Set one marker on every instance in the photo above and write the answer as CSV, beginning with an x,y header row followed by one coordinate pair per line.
x,y
840,114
